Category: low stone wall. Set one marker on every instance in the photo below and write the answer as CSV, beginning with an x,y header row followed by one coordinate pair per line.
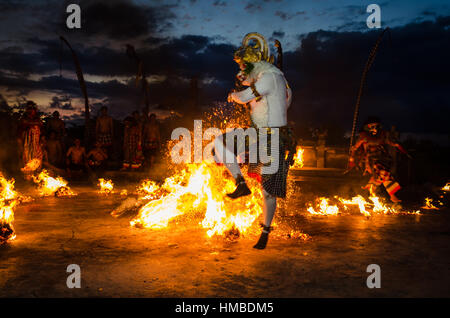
x,y
325,157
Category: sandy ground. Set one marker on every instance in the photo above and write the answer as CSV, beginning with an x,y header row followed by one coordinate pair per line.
x,y
117,260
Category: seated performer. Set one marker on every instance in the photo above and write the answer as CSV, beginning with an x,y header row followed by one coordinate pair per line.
x,y
76,157
375,158
97,157
269,97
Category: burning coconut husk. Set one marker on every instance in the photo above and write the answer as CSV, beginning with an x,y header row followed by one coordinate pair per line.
x,y
375,205
49,186
106,186
9,198
298,158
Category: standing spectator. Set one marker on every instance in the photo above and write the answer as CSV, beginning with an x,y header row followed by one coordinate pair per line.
x,y
54,150
152,140
104,129
56,124
132,150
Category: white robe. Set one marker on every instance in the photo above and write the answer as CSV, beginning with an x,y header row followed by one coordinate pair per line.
x,y
271,109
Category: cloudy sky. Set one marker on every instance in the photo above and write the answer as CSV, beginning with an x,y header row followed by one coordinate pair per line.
x,y
326,44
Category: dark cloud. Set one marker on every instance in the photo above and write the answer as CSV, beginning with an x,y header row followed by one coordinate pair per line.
x,y
62,102
122,19
407,85
252,7
287,16
218,3
278,34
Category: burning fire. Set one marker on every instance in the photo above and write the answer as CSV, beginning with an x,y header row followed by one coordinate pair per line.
x,y
9,198
375,206
106,186
199,187
52,186
324,208
298,158
429,205
32,166
446,187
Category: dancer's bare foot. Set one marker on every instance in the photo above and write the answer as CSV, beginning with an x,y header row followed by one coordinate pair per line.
x,y
395,199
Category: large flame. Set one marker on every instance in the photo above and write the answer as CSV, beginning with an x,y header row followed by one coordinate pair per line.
x,y
199,188
52,186
106,186
9,198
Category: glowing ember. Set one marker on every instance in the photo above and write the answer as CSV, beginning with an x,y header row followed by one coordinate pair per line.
x,y
298,158
52,186
124,192
106,186
8,200
199,188
446,187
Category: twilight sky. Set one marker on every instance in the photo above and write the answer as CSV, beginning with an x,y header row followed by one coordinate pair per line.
x,y
326,44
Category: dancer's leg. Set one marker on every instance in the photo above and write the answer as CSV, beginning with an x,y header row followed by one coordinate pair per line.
x,y
224,155
269,208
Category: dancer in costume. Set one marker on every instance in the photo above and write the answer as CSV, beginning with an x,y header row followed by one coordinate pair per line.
x,y
374,159
269,97
29,139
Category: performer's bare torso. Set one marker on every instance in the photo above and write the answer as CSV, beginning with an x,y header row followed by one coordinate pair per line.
x,y
76,154
104,125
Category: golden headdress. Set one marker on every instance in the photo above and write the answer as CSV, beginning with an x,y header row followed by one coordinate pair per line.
x,y
252,54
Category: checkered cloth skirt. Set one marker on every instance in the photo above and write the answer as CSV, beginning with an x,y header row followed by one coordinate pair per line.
x,y
273,183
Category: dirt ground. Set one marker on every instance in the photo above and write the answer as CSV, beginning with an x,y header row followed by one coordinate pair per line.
x,y
117,260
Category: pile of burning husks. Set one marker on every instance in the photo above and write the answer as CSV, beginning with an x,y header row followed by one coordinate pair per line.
x,y
9,199
52,186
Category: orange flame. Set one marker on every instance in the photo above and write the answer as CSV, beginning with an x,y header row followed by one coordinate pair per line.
x,y
106,186
8,200
298,158
32,166
375,206
199,187
428,205
52,186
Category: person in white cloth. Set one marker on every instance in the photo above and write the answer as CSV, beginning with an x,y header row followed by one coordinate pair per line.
x,y
269,97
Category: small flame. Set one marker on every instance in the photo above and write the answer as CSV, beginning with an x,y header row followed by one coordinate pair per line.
x,y
52,186
298,158
106,186
446,187
428,205
375,206
323,208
